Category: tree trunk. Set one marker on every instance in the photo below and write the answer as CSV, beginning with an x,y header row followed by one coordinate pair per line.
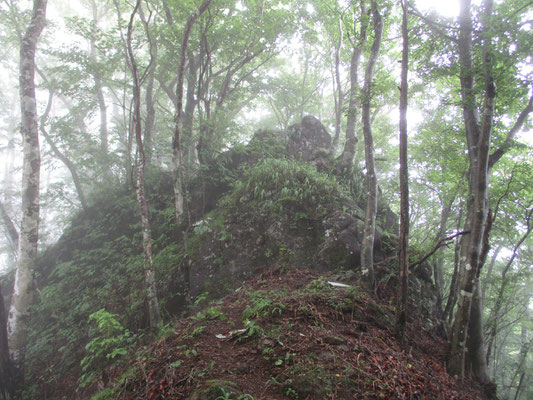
x,y
5,362
403,253
519,385
367,253
495,314
488,276
452,296
339,94
100,97
149,275
437,267
345,160
149,93
524,349
11,229
190,107
478,140
178,160
29,233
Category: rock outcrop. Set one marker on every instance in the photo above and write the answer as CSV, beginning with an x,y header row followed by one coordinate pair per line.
x,y
252,232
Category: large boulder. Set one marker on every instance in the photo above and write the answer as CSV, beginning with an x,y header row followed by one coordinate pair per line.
x,y
308,139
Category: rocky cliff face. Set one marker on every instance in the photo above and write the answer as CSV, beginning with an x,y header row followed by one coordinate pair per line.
x,y
286,206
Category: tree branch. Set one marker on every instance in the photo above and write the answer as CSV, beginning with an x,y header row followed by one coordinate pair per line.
x,y
440,243
436,26
508,143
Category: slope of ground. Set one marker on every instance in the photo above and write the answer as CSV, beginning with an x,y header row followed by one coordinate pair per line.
x,y
290,334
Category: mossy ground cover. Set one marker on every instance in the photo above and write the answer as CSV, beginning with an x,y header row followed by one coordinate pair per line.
x,y
288,334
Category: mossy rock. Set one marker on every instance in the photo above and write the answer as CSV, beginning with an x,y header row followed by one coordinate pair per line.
x,y
214,389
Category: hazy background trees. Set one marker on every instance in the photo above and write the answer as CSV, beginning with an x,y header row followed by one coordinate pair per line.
x,y
264,64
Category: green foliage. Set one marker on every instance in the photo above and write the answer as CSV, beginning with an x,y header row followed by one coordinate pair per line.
x,y
263,303
229,396
276,183
109,343
97,264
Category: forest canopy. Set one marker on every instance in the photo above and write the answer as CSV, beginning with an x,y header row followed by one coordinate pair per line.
x,y
161,99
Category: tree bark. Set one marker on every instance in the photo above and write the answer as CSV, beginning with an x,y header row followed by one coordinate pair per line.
x,y
149,92
149,274
345,160
11,229
5,362
178,160
452,296
339,94
488,276
29,235
190,107
403,253
437,267
99,89
478,141
524,349
367,253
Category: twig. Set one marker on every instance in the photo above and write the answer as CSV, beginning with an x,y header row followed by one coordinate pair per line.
x,y
440,243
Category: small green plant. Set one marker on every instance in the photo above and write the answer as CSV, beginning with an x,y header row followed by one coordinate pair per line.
x,y
292,393
267,353
188,351
201,298
109,342
263,303
198,331
212,312
229,396
254,329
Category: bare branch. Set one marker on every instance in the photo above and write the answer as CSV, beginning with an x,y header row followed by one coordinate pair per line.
x,y
443,242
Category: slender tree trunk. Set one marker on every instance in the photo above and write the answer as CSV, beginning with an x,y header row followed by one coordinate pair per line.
x,y
12,232
29,235
149,92
437,267
190,107
478,140
367,253
524,349
401,308
495,314
490,269
452,296
339,94
5,362
99,89
345,160
519,385
150,117
149,274
178,160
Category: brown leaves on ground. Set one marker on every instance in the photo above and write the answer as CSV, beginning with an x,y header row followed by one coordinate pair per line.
x,y
288,334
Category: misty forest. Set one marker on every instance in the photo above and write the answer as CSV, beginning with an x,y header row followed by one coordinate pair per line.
x,y
266,199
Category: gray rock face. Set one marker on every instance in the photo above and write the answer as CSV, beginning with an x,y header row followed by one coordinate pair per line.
x,y
253,238
308,139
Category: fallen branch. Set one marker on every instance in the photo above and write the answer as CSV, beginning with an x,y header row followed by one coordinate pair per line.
x,y
440,243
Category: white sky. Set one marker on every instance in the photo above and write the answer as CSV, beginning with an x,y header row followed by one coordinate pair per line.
x,y
446,8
